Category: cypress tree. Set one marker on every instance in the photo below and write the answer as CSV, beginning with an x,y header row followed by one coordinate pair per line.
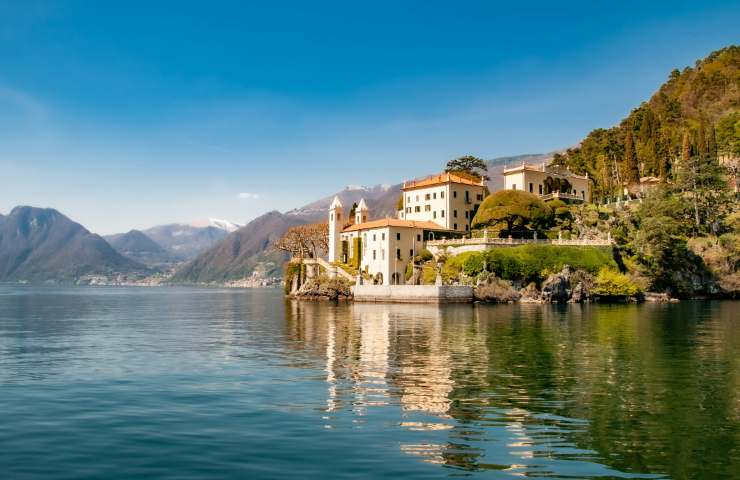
x,y
701,140
632,170
712,143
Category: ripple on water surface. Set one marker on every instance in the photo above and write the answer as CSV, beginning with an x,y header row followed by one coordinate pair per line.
x,y
199,383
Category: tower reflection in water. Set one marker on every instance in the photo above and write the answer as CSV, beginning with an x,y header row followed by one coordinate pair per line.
x,y
397,360
529,389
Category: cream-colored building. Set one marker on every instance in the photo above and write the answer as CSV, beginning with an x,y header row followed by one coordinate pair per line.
x,y
447,199
549,182
440,205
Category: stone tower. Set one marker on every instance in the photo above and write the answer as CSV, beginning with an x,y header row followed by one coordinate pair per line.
x,y
361,212
336,224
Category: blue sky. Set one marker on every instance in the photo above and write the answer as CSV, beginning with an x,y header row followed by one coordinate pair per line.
x,y
145,113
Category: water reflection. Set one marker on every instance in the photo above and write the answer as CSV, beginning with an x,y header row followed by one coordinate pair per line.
x,y
537,390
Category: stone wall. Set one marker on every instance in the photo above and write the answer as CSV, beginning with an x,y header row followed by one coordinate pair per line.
x,y
414,293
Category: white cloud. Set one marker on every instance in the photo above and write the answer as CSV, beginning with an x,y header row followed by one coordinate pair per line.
x,y
248,196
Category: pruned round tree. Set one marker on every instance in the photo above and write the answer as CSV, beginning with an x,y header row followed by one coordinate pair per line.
x,y
513,212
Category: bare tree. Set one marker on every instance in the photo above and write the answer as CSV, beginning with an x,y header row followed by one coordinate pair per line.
x,y
305,241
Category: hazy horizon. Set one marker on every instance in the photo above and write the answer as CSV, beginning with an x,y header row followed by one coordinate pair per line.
x,y
131,117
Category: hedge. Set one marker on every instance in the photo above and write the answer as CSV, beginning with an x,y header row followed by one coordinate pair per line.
x,y
529,262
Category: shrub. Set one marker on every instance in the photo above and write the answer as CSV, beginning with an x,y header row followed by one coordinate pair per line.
x,y
425,255
528,262
428,275
356,252
611,283
292,270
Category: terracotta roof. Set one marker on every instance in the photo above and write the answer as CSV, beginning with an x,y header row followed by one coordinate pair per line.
x,y
394,222
440,179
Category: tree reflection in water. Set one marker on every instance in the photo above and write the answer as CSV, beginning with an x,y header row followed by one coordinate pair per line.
x,y
534,389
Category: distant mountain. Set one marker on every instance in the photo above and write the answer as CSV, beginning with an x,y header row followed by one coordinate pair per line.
x,y
139,247
40,245
216,223
186,241
381,199
496,166
242,252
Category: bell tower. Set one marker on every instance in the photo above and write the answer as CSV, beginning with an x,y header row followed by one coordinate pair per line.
x,y
361,212
336,224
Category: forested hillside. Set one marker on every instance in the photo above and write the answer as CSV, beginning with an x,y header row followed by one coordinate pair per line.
x,y
695,113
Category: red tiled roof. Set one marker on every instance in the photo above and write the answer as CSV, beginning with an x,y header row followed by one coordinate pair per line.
x,y
440,179
394,222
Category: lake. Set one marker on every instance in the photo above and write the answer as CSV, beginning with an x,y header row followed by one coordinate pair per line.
x,y
124,383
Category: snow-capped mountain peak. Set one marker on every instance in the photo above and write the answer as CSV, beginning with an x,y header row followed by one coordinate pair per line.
x,y
216,223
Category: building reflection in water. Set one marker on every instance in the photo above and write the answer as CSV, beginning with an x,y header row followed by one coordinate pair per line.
x,y
530,389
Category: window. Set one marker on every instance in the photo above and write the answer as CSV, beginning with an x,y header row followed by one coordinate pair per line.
x,y
398,253
374,238
442,212
417,209
479,196
540,189
454,213
339,216
531,187
382,254
398,235
417,198
466,214
408,209
418,237
513,186
373,254
434,195
408,199
331,217
427,208
411,253
467,195
434,214
382,236
427,197
583,194
442,194
454,194
455,226
466,228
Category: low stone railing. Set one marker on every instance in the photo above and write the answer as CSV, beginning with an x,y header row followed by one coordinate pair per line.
x,y
494,241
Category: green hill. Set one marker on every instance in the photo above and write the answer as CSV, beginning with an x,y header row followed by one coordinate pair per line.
x,y
696,108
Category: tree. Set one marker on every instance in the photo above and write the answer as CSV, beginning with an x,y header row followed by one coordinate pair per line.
x,y
468,166
305,241
631,168
513,211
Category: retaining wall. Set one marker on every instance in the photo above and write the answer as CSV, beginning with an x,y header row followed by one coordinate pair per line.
x,y
413,293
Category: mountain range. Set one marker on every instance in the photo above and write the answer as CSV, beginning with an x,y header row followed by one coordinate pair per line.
x,y
40,244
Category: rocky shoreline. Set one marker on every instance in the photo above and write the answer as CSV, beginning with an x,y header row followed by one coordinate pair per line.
x,y
567,286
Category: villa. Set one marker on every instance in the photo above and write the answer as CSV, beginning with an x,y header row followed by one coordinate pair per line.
x,y
549,182
440,205
434,210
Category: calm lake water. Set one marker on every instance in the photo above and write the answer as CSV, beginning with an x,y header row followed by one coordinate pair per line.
x,y
196,383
